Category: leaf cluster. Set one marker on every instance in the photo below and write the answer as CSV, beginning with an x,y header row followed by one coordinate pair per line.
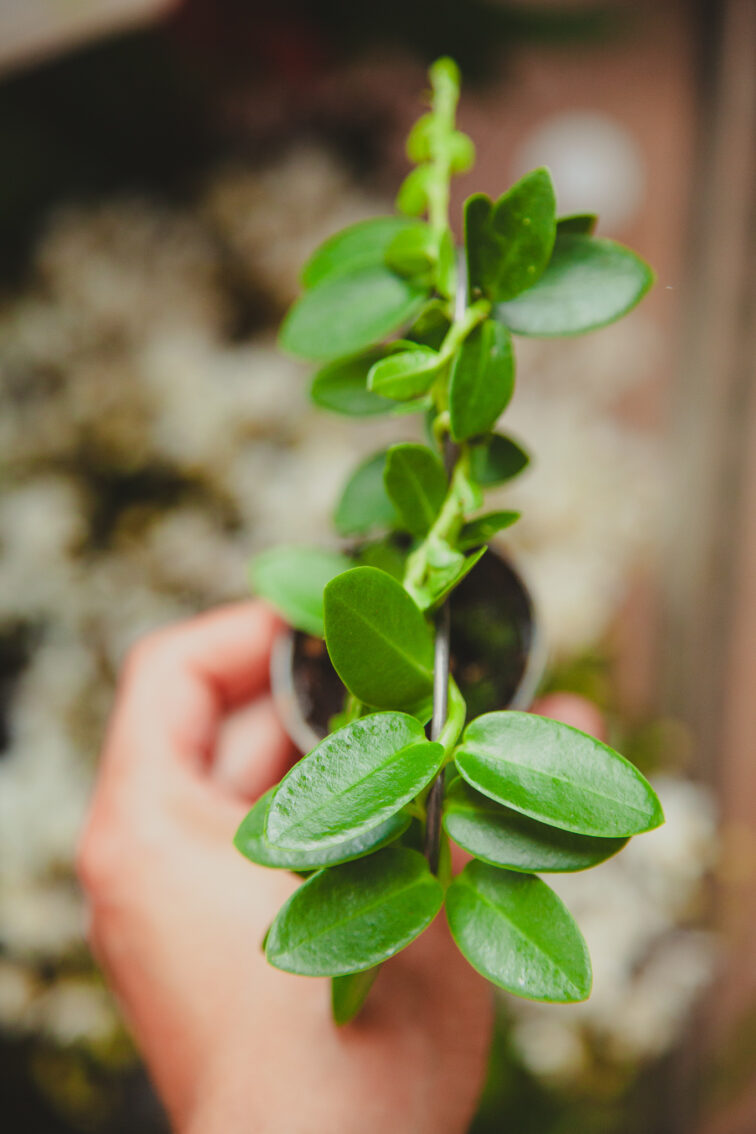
x,y
400,322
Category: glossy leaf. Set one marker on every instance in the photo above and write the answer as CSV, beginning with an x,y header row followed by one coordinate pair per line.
x,y
503,837
442,582
482,380
497,460
360,244
386,554
341,387
349,993
251,841
514,930
350,918
416,482
556,774
353,780
349,311
588,283
364,504
405,374
477,219
484,528
292,578
583,223
413,251
511,241
431,326
378,640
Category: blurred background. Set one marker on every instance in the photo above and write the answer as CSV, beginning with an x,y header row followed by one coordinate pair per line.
x,y
166,168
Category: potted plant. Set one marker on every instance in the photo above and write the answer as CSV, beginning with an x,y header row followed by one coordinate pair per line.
x,y
367,814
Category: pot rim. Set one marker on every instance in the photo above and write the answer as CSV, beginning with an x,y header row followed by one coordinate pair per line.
x,y
304,736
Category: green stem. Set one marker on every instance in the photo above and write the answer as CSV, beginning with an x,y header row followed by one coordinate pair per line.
x,y
446,526
445,96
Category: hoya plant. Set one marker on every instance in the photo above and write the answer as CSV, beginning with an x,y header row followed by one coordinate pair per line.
x,y
400,321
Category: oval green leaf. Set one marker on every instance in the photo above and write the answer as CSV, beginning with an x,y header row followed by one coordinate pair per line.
x,y
414,250
349,783
431,326
292,578
589,282
341,387
416,482
350,918
522,229
497,460
412,198
517,933
405,374
503,837
556,774
482,380
378,640
350,311
349,993
442,581
582,223
364,504
358,245
250,840
484,528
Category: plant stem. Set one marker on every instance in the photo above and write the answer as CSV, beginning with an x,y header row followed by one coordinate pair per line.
x,y
445,96
440,705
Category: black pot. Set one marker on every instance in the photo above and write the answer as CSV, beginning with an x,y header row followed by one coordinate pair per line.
x,y
497,655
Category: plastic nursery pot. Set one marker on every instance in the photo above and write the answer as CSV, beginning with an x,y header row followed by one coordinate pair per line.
x,y
497,655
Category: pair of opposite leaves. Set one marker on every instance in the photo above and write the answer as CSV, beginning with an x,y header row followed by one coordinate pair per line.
x,y
553,799
545,277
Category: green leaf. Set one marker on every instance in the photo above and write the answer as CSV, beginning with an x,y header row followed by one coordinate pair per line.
x,y
357,246
511,240
442,581
349,311
419,140
353,780
364,503
477,219
352,917
412,198
482,380
378,640
250,840
503,837
405,374
588,283
413,251
496,460
462,152
385,554
484,528
515,931
556,774
349,993
416,482
341,387
431,326
583,223
291,578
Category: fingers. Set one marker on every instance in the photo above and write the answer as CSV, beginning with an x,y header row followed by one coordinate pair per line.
x,y
253,751
572,709
178,684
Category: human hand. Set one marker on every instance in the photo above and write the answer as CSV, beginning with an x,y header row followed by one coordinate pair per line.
x,y
178,916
